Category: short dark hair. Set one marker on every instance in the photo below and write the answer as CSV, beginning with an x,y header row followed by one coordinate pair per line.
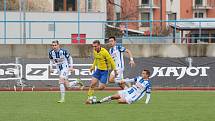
x,y
147,72
55,41
112,37
96,41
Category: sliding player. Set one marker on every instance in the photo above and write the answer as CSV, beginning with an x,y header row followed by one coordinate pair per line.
x,y
141,87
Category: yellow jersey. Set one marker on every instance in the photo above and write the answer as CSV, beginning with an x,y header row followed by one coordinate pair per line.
x,y
103,60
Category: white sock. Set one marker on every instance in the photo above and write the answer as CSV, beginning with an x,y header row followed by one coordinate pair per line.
x,y
73,83
127,80
62,91
106,99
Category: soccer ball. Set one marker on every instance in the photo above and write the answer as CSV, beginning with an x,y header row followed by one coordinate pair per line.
x,y
92,99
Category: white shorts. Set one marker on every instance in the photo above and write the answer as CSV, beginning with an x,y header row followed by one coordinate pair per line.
x,y
130,95
64,74
63,71
119,77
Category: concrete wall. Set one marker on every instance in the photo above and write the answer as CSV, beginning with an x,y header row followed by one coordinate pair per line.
x,y
138,50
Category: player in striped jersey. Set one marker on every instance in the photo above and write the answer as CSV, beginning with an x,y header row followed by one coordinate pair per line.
x,y
64,63
116,51
141,87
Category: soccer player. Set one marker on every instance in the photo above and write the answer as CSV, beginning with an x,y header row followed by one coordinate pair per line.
x,y
103,61
141,87
64,63
116,52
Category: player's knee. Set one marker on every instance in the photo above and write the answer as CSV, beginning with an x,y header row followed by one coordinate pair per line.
x,y
111,80
92,85
101,87
122,85
61,81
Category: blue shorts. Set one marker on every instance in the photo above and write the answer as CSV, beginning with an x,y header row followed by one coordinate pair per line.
x,y
101,75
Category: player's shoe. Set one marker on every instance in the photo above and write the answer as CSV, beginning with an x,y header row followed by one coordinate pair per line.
x,y
80,83
61,101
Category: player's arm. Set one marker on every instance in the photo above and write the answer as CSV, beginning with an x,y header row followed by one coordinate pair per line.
x,y
69,59
93,66
110,60
148,94
123,49
131,57
127,80
51,62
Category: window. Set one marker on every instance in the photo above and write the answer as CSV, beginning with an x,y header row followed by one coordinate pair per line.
x,y
199,15
145,1
90,5
58,5
12,5
71,5
61,5
118,18
51,27
145,16
172,16
198,2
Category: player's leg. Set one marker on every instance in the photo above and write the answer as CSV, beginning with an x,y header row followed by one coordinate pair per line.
x,y
76,83
103,79
62,90
122,101
92,86
109,98
148,96
117,79
62,83
112,77
65,73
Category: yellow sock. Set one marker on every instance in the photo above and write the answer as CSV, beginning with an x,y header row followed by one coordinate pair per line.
x,y
90,92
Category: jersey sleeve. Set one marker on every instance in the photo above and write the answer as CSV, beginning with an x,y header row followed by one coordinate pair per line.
x,y
148,88
66,54
121,48
50,55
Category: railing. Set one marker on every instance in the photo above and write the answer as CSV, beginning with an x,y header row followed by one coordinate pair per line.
x,y
171,31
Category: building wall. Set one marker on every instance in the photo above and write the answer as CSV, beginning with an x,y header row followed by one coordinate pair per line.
x,y
157,15
186,9
41,30
130,11
110,10
211,12
173,7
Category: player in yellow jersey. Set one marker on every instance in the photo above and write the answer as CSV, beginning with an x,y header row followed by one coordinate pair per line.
x,y
103,62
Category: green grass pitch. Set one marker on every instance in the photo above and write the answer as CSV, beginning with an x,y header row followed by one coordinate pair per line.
x,y
164,106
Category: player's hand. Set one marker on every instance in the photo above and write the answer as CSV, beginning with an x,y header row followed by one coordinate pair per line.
x,y
51,71
132,63
71,69
91,70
